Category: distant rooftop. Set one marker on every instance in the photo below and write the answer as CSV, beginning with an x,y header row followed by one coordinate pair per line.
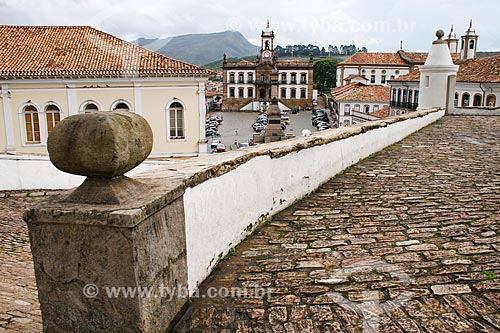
x,y
400,58
481,70
363,93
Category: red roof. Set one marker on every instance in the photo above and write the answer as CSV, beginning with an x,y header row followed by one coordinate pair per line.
x,y
57,51
364,93
399,58
382,113
483,70
373,58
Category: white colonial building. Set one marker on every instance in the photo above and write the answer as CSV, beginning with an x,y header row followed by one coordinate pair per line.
x,y
359,102
378,68
48,73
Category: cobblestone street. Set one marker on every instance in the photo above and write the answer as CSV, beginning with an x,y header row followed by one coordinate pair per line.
x,y
19,308
407,240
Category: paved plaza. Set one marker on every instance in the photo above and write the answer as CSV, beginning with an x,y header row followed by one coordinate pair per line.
x,y
407,240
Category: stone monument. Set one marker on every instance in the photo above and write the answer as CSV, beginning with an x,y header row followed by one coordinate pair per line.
x,y
273,131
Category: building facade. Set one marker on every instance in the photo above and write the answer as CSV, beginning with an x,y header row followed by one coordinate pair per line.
x,y
358,102
477,82
49,73
247,84
378,68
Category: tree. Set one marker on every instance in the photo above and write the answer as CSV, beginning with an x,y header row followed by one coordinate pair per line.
x,y
325,74
330,50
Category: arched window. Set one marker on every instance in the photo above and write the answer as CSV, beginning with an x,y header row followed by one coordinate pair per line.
x,y
89,106
176,121
465,99
120,105
478,100
53,115
456,100
491,100
367,108
31,124
356,107
471,45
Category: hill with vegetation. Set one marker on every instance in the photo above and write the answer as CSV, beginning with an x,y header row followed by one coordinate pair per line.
x,y
201,49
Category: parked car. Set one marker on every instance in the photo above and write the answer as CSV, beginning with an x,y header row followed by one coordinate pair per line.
x,y
211,132
243,145
258,127
221,148
214,144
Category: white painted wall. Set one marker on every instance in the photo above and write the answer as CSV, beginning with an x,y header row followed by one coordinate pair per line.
x,y
218,210
37,172
388,71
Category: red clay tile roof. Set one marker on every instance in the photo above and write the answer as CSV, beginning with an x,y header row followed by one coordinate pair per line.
x,y
413,76
340,90
57,51
372,58
382,113
481,70
355,76
417,58
366,93
399,58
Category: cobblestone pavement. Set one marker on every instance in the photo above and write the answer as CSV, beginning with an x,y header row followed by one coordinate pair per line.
x,y
406,241
19,308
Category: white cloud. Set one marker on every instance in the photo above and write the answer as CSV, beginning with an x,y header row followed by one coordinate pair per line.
x,y
379,25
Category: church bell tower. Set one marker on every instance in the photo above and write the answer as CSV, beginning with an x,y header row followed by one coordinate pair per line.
x,y
267,45
469,43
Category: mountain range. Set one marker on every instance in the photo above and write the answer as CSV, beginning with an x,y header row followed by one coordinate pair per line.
x,y
201,49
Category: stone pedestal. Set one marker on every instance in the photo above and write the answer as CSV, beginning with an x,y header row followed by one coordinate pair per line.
x,y
81,252
111,255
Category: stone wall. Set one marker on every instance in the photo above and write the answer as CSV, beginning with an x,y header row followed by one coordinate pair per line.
x,y
261,181
475,111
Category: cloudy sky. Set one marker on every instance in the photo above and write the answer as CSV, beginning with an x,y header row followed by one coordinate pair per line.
x,y
378,25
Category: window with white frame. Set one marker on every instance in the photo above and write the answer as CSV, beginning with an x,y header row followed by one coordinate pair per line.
x,y
347,110
283,78
89,106
53,116
176,121
303,93
120,106
31,124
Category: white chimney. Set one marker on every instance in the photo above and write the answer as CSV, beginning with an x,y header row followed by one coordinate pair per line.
x,y
437,76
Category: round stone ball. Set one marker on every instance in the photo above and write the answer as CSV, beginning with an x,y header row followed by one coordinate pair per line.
x,y
100,144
